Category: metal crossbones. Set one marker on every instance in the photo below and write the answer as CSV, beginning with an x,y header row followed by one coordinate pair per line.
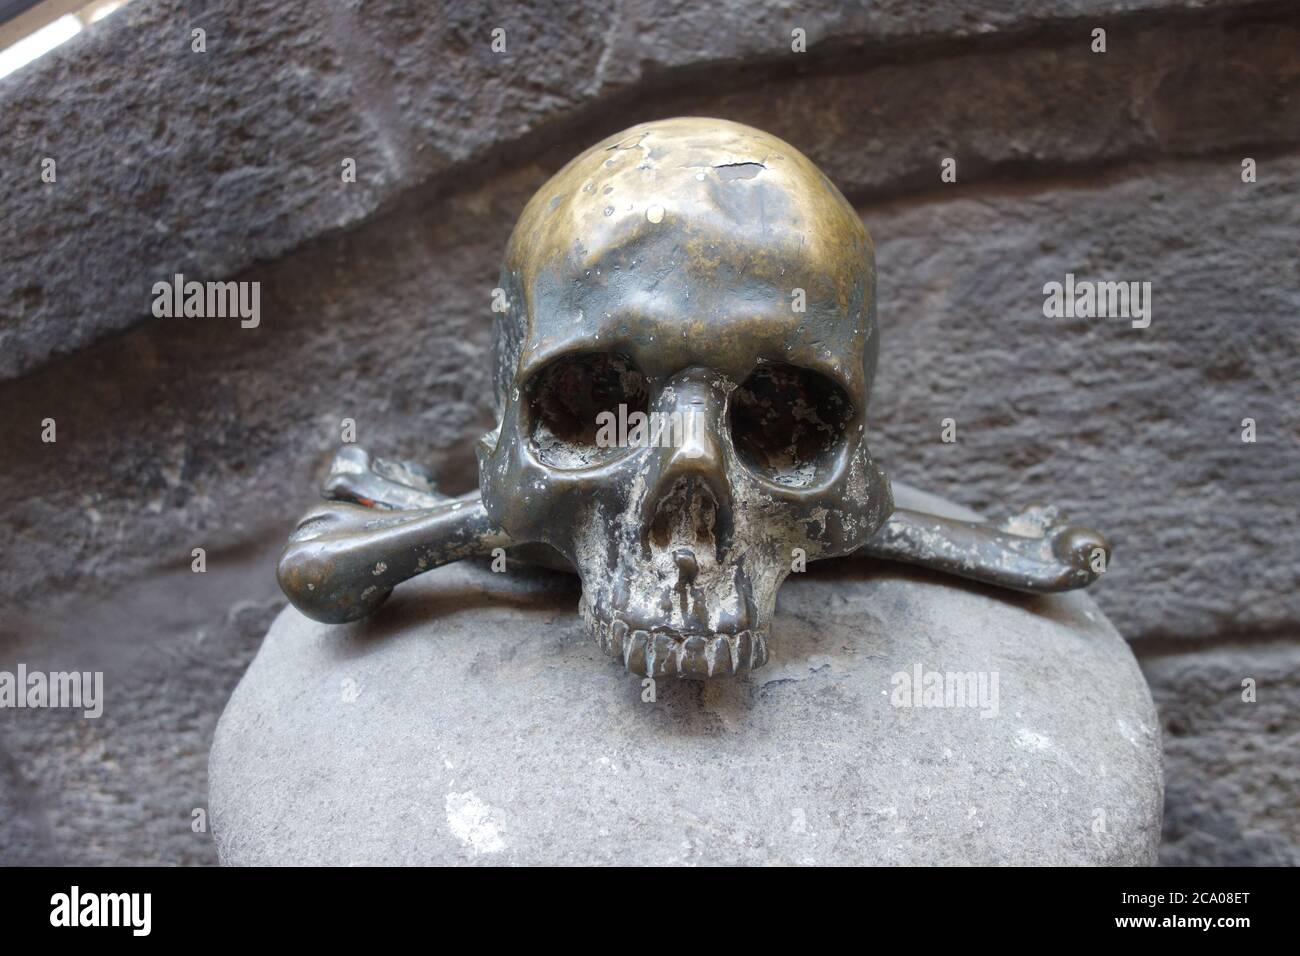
x,y
690,268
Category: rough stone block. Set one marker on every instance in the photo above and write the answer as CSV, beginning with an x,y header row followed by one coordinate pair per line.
x,y
1230,764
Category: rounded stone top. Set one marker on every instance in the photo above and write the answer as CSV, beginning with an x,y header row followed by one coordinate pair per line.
x,y
903,718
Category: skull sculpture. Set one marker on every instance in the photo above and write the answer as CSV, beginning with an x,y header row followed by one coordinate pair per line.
x,y
706,273
706,277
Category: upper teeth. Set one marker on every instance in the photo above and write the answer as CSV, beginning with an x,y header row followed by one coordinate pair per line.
x,y
656,654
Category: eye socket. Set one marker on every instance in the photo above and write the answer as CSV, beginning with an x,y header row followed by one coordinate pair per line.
x,y
788,423
565,399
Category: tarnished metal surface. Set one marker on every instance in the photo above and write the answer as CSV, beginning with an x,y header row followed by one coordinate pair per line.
x,y
707,277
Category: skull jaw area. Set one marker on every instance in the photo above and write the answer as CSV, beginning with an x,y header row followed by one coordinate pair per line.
x,y
668,653
674,599
674,585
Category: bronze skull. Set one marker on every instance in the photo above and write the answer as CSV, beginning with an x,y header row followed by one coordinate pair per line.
x,y
704,277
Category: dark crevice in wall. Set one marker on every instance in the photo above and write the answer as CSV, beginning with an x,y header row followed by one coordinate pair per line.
x,y
1153,645
1025,179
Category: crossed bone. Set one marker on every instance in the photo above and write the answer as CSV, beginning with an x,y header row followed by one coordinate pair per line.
x,y
383,522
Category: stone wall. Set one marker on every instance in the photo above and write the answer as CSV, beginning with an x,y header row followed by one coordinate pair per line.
x,y
175,434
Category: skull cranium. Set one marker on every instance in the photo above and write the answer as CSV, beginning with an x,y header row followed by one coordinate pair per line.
x,y
705,275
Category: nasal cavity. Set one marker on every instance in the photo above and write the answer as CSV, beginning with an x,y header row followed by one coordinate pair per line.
x,y
688,566
686,522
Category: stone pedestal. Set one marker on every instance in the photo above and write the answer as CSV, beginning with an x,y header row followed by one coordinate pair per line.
x,y
471,721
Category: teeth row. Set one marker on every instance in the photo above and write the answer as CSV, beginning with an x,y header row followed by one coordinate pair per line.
x,y
661,655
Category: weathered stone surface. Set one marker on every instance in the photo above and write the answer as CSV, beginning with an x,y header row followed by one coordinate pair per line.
x,y
220,159
1134,431
170,161
1231,766
123,788
473,722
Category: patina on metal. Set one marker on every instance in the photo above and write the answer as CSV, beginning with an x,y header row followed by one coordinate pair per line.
x,y
707,276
